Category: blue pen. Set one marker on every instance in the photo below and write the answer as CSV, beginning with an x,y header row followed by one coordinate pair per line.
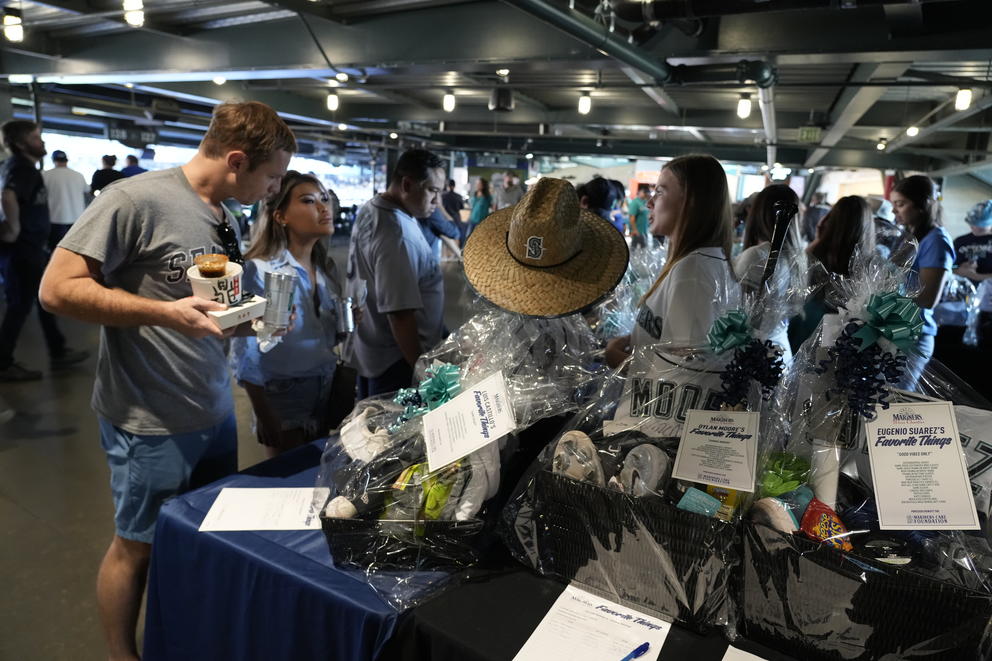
x,y
640,651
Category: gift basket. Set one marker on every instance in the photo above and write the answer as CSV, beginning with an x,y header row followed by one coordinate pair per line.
x,y
387,513
601,508
824,575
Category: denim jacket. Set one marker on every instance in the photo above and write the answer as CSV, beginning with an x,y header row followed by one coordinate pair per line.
x,y
308,349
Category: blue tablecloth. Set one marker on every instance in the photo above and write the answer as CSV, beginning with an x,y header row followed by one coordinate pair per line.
x,y
256,595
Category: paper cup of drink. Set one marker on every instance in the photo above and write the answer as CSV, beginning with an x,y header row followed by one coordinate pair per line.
x,y
224,289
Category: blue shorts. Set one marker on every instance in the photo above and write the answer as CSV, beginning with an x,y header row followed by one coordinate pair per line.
x,y
301,402
145,470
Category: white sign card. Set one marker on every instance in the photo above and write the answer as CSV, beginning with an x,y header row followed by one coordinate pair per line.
x,y
718,448
583,627
734,654
282,508
918,469
475,418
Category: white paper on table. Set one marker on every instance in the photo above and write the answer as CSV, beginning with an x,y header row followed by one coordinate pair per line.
x,y
475,418
265,509
734,654
718,448
583,627
918,468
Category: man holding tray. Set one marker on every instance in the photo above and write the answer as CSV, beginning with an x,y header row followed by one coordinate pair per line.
x,y
162,392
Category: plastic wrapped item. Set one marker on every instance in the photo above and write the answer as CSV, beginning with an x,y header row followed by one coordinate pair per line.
x,y
820,579
616,314
982,301
958,303
410,529
545,362
599,508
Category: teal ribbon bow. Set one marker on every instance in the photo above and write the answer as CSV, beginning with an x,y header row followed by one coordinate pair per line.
x,y
442,384
729,331
891,316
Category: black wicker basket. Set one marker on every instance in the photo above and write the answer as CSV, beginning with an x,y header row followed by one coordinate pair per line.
x,y
402,545
642,551
814,602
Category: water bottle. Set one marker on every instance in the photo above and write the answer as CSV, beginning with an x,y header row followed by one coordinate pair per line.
x,y
279,289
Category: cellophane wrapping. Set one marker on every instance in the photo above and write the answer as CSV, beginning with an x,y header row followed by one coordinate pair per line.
x,y
819,579
409,529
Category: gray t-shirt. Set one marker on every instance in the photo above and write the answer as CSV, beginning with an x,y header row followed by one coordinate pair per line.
x,y
389,253
150,379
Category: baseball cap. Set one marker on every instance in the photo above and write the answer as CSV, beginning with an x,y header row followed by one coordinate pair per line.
x,y
59,155
980,215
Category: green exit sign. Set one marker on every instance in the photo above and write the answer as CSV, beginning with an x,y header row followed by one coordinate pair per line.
x,y
810,134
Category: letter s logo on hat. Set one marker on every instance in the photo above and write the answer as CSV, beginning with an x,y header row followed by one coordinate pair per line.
x,y
535,247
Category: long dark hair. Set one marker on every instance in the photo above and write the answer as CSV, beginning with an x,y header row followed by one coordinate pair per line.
x,y
485,188
705,220
760,225
922,192
845,233
270,237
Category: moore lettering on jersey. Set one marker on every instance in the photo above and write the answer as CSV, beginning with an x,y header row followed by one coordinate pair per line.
x,y
667,400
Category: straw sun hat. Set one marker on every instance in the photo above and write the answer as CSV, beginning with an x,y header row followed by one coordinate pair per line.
x,y
545,256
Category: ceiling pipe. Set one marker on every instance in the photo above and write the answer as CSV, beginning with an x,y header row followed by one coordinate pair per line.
x,y
666,10
766,101
598,36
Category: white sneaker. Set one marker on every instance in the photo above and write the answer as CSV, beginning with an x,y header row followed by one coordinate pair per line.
x,y
576,457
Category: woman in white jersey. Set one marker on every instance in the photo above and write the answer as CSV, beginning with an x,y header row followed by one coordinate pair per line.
x,y
690,206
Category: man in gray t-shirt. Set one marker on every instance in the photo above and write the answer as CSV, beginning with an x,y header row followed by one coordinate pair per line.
x,y
162,391
390,257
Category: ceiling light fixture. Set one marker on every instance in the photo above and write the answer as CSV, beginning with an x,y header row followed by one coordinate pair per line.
x,y
342,126
219,80
503,73
585,103
882,144
963,99
448,103
341,77
333,102
811,170
20,79
744,106
134,14
528,156
393,136
913,131
129,85
13,28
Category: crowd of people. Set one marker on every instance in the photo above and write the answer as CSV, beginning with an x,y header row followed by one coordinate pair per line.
x,y
162,392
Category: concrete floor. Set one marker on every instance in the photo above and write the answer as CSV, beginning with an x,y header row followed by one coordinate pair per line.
x,y
55,507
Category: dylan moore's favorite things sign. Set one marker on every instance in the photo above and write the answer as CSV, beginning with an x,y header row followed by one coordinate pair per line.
x,y
918,468
719,448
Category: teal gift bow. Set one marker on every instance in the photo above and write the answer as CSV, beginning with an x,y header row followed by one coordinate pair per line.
x,y
729,331
442,385
443,382
892,316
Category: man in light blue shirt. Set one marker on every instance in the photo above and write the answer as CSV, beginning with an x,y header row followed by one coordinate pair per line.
x,y
390,259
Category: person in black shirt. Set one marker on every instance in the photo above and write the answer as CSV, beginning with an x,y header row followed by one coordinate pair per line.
x,y
106,176
24,242
453,204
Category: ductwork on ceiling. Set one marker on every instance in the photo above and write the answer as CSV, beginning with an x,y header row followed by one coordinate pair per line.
x,y
599,37
666,10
